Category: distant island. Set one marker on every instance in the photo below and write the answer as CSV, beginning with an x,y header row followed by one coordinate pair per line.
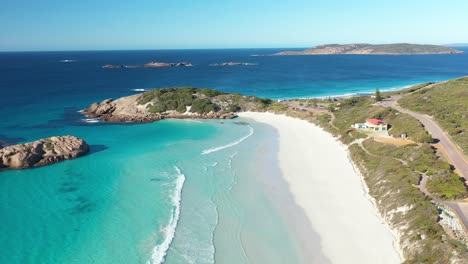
x,y
369,49
231,63
153,64
178,102
457,45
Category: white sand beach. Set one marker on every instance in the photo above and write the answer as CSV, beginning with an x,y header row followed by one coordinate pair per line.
x,y
324,183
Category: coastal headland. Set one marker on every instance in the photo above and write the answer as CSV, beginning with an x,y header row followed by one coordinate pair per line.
x,y
180,103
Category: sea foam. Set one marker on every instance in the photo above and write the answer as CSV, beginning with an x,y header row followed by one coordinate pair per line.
x,y
160,251
91,120
211,150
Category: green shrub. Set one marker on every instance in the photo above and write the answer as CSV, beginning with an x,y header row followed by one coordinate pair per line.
x,y
202,106
210,93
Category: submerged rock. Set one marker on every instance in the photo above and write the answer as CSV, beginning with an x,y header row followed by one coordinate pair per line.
x,y
42,152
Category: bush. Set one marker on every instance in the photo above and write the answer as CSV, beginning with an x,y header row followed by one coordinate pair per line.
x,y
202,106
210,93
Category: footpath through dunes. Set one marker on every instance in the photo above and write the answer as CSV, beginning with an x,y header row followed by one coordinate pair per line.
x,y
325,184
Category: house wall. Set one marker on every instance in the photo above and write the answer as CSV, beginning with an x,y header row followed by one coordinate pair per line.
x,y
370,127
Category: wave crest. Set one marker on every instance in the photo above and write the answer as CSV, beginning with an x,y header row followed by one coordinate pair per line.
x,y
211,150
160,251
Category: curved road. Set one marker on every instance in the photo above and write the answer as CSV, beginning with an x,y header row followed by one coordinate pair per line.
x,y
453,153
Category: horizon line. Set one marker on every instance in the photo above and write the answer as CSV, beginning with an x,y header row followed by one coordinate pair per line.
x,y
226,48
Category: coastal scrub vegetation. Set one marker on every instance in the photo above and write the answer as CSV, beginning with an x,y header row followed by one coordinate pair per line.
x,y
394,186
447,103
356,109
393,173
205,100
421,157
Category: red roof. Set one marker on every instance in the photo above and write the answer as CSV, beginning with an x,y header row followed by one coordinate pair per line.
x,y
375,121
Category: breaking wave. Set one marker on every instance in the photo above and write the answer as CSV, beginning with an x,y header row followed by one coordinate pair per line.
x,y
91,120
160,251
211,150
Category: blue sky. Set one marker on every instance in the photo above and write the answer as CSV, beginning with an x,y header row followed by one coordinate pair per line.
x,y
187,24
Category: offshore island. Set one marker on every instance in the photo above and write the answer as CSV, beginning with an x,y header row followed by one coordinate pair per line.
x,y
371,49
383,149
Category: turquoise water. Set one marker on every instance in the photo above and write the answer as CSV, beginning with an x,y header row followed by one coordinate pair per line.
x,y
120,204
146,193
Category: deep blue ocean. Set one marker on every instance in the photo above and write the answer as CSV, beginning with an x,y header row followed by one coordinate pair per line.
x,y
174,191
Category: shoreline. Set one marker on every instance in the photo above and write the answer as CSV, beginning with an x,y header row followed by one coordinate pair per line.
x,y
365,92
307,241
324,190
396,236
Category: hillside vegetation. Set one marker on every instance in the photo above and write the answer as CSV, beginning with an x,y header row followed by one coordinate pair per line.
x,y
199,101
447,103
392,174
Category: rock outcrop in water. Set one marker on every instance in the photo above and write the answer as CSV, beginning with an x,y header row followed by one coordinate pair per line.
x,y
369,49
230,63
179,103
42,152
153,64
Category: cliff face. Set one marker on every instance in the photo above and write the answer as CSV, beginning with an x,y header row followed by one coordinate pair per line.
x,y
383,49
177,103
42,152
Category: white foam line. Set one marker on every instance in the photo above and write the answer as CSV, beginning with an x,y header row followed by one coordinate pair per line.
x,y
211,150
91,120
160,251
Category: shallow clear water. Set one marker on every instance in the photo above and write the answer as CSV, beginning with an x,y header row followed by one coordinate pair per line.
x,y
117,204
120,203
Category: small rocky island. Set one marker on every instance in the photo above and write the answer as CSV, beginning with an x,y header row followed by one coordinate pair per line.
x,y
153,64
42,152
369,49
179,103
231,63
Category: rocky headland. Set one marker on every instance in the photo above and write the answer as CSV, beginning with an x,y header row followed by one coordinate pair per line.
x,y
178,103
153,64
42,152
369,49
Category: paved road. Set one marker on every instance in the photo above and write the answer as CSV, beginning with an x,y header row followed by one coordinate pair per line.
x,y
461,209
455,156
